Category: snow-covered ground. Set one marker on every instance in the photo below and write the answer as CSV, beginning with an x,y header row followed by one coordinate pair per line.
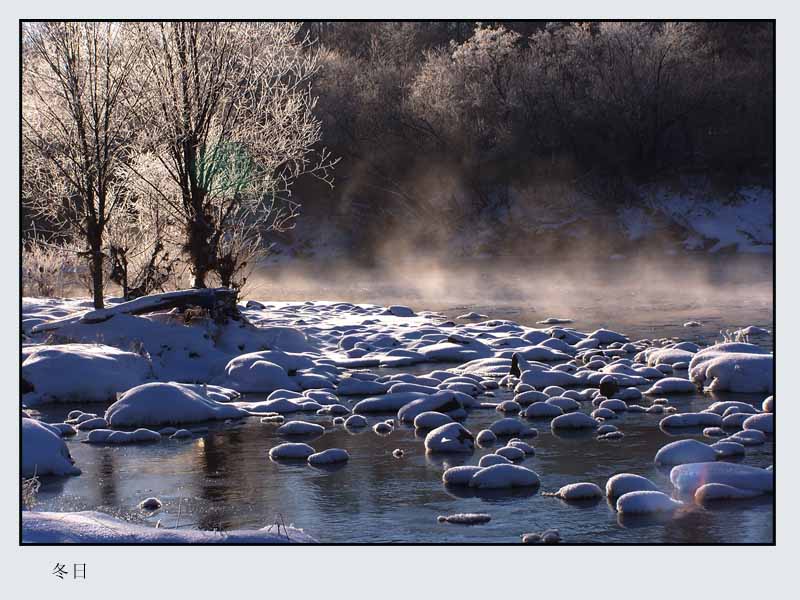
x,y
305,358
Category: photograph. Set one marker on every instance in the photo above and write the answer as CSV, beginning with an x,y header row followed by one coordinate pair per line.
x,y
371,282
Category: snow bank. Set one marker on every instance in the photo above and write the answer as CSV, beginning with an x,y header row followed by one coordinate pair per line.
x,y
166,404
44,452
81,373
90,527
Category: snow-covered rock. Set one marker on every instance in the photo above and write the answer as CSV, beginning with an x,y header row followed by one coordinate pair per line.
x,y
81,373
720,491
764,422
671,385
329,457
687,478
300,428
291,450
44,452
685,451
575,420
579,491
452,437
166,404
459,476
504,476
431,420
623,483
646,502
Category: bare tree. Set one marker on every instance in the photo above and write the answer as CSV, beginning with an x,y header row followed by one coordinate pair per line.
x,y
232,127
78,117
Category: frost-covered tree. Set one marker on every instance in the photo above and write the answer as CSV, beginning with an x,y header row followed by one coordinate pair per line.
x,y
232,126
78,120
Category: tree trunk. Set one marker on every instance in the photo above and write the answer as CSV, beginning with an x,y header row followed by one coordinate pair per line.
x,y
97,277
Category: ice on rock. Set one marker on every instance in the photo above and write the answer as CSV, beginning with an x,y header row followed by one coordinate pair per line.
x,y
300,428
727,448
504,476
291,450
764,422
329,457
671,385
44,452
606,428
92,527
623,483
688,478
452,437
685,451
769,404
646,502
166,404
81,372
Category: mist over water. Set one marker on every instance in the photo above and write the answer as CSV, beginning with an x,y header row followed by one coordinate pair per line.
x,y
627,292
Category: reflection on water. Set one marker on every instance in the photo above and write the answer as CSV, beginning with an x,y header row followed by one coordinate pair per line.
x,y
224,478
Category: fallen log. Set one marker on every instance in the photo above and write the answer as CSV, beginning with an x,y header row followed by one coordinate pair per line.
x,y
219,302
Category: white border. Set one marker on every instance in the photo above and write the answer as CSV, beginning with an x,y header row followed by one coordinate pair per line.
x,y
446,572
